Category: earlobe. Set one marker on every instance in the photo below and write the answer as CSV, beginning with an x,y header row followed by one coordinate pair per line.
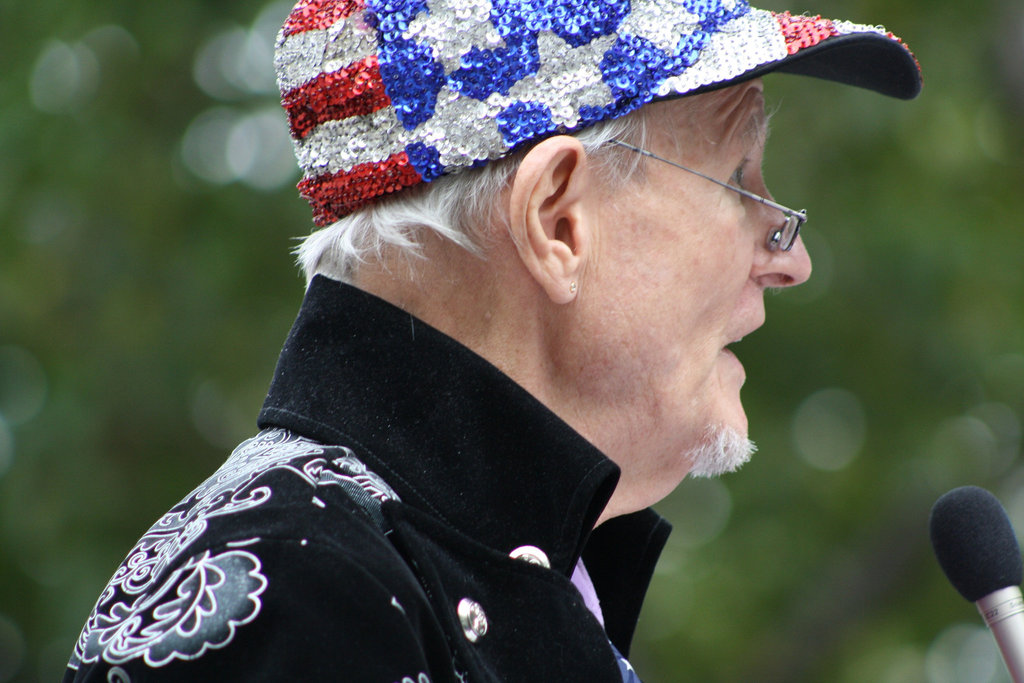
x,y
549,217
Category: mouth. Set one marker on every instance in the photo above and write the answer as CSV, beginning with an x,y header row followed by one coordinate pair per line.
x,y
742,333
728,347
728,351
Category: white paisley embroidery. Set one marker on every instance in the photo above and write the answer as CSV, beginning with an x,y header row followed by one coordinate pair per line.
x,y
199,605
118,675
351,468
421,678
197,609
225,493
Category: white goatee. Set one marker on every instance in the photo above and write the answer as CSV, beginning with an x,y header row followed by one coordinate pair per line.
x,y
721,450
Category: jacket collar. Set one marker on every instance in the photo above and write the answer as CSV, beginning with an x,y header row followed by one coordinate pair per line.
x,y
446,429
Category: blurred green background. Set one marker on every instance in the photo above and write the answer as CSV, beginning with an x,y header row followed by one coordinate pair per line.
x,y
147,208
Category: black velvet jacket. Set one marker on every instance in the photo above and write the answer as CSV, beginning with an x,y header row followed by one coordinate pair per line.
x,y
271,571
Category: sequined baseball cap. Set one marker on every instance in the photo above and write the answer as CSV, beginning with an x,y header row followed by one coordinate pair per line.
x,y
387,94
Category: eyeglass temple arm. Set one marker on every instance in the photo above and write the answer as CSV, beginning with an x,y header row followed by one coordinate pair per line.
x,y
749,195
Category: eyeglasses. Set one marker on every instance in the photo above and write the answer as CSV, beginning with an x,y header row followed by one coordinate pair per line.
x,y
780,239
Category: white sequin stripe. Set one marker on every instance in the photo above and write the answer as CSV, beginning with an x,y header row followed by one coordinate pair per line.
x,y
742,44
336,146
301,57
462,129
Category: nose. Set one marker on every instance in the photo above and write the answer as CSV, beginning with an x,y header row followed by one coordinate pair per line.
x,y
776,269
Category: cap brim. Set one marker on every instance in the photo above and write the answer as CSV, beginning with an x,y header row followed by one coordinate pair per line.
x,y
866,60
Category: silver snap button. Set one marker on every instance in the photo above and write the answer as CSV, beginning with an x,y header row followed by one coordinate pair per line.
x,y
473,619
531,554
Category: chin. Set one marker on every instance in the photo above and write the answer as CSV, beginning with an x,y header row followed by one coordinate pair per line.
x,y
722,449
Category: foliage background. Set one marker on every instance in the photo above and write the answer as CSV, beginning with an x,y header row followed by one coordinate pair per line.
x,y
145,289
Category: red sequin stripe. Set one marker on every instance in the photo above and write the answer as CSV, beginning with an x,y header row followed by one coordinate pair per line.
x,y
802,31
311,15
337,195
353,91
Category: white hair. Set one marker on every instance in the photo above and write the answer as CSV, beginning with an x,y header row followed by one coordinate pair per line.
x,y
459,207
721,450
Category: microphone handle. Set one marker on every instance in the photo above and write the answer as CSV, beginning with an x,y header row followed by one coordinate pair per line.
x,y
1003,611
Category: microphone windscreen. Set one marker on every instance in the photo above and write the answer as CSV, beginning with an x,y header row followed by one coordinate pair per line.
x,y
974,542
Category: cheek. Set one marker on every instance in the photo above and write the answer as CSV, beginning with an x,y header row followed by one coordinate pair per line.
x,y
714,292
665,290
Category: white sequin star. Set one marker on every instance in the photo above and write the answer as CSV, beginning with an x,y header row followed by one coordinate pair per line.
x,y
749,40
661,22
568,78
462,129
454,27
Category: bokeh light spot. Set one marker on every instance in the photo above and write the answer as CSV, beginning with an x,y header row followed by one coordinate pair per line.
x,y
964,653
216,65
829,429
64,76
204,146
222,146
239,62
259,150
700,510
963,449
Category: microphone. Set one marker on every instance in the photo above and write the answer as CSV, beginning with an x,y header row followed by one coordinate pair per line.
x,y
977,550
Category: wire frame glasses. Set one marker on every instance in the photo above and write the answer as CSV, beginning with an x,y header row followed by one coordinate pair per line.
x,y
781,239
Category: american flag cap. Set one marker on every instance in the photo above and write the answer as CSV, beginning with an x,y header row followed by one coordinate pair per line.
x,y
386,94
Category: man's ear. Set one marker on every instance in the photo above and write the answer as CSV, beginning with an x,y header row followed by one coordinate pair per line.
x,y
548,217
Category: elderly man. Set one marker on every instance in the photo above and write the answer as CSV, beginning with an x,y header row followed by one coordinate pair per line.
x,y
544,225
